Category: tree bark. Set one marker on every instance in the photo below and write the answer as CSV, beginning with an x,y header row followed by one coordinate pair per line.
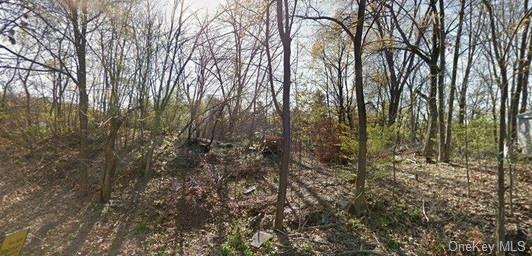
x,y
110,160
79,20
521,67
285,34
448,135
441,83
526,73
500,230
465,81
472,45
361,110
155,140
432,128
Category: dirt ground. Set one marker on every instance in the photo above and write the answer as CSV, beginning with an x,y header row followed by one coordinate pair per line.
x,y
193,201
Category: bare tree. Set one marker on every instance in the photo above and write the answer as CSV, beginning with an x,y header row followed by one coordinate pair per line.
x,y
177,51
285,22
500,57
430,57
448,133
119,72
357,40
473,37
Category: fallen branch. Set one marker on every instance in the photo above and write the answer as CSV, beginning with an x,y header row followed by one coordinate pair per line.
x,y
424,212
320,226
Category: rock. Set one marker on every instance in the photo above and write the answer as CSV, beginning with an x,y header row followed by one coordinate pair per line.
x,y
250,190
259,238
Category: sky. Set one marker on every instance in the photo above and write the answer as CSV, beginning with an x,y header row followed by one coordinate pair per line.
x,y
208,5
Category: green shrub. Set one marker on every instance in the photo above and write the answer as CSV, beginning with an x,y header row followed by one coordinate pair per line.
x,y
268,248
479,135
354,224
236,243
380,138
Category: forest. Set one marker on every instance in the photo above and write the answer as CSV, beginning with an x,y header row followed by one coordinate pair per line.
x,y
265,127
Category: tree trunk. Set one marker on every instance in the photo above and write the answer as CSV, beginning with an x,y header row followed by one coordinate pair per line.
x,y
341,103
361,111
154,142
463,91
441,84
110,160
412,107
448,136
432,128
80,42
516,95
286,139
500,171
500,230
526,73
395,92
433,116
472,44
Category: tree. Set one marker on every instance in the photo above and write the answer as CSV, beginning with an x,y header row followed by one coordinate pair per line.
x,y
441,80
431,59
356,39
117,70
177,49
78,15
473,37
335,52
361,108
397,76
523,69
456,54
503,84
285,21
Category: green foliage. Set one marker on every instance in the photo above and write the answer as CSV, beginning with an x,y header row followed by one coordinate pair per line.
x,y
407,212
37,132
354,224
176,114
27,127
236,242
28,134
349,145
479,135
379,139
268,248
140,228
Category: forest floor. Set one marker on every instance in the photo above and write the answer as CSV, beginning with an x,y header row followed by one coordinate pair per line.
x,y
193,203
